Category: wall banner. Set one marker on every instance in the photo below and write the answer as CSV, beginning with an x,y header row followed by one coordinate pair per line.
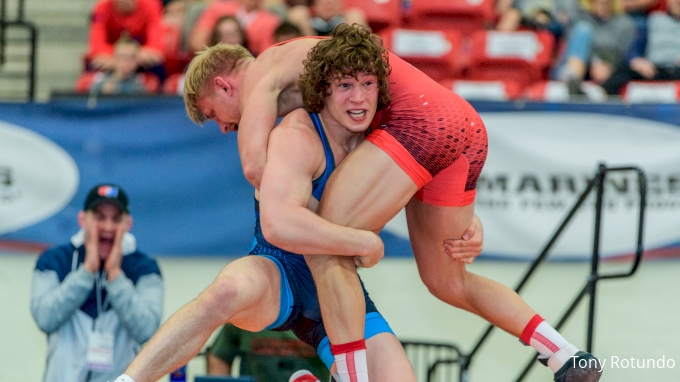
x,y
189,196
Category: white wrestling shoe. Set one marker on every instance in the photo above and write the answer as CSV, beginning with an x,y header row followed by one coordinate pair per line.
x,y
303,376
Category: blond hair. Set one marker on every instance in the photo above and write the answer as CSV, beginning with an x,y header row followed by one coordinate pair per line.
x,y
204,67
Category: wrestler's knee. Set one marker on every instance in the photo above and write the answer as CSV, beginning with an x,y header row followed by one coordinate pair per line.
x,y
221,296
448,289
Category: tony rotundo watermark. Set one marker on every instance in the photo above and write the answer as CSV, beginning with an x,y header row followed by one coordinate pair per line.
x,y
615,362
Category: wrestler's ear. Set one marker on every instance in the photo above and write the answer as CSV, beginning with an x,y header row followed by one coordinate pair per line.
x,y
222,84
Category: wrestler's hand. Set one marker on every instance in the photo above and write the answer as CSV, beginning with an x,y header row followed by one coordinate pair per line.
x,y
467,249
375,252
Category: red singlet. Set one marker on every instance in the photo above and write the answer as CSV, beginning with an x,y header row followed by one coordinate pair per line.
x,y
434,135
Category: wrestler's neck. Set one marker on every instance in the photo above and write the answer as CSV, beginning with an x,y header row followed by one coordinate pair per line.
x,y
342,140
239,76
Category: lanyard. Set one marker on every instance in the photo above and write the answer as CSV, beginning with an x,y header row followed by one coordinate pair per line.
x,y
99,278
101,305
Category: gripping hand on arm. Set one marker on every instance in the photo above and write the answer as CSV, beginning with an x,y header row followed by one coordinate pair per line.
x,y
295,157
466,249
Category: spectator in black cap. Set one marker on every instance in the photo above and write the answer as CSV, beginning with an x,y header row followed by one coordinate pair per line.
x,y
97,298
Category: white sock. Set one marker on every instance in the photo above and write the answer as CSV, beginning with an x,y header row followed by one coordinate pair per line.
x,y
542,337
547,340
350,361
557,360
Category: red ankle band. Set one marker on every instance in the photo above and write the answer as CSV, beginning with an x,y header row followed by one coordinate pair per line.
x,y
530,329
348,347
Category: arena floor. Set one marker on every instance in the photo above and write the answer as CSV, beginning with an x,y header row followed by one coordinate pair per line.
x,y
635,318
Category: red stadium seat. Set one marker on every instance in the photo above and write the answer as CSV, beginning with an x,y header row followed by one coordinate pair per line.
x,y
523,56
85,80
466,16
652,91
484,90
380,14
174,85
436,53
175,59
557,91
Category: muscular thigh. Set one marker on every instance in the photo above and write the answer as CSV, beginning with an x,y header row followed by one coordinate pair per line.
x,y
366,190
429,225
254,291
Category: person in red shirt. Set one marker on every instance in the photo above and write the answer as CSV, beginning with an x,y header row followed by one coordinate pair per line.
x,y
258,23
139,19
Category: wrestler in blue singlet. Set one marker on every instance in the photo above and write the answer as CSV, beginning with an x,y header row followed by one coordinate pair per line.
x,y
300,311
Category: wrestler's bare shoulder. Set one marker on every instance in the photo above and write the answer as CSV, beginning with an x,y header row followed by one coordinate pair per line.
x,y
284,60
297,119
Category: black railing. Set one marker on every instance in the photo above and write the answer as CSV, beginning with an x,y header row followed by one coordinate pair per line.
x,y
3,20
17,24
424,355
590,288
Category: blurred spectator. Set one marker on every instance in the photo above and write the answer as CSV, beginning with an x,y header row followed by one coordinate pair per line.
x,y
553,15
140,19
194,10
640,9
97,298
596,44
257,21
173,12
655,53
320,18
123,78
286,31
228,31
177,57
266,355
306,3
278,7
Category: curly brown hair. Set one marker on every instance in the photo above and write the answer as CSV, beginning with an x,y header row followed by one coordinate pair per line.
x,y
351,50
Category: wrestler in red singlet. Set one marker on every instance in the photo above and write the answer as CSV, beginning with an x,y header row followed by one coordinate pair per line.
x,y
433,134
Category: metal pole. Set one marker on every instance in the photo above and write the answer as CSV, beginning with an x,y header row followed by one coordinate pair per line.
x,y
20,11
538,261
34,57
595,260
3,40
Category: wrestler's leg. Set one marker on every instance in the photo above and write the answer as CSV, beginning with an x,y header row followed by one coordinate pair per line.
x,y
245,293
387,360
365,191
448,280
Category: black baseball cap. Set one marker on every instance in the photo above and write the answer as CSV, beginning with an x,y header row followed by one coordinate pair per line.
x,y
107,193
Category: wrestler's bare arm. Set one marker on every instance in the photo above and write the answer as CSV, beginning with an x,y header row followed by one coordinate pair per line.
x,y
295,158
269,90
